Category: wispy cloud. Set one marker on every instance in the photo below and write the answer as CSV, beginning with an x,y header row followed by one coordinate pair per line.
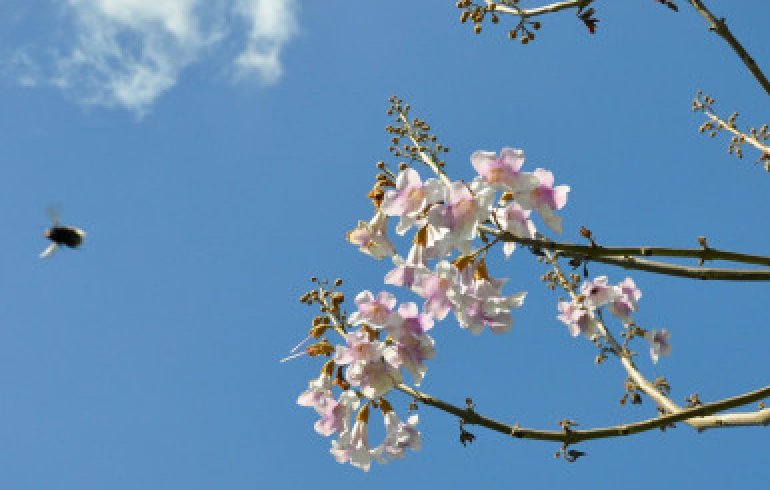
x,y
272,24
126,53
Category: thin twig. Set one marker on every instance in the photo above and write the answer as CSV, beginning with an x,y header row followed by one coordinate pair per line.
x,y
534,12
747,138
719,26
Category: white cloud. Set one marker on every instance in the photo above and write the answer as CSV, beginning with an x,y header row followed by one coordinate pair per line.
x,y
126,53
272,24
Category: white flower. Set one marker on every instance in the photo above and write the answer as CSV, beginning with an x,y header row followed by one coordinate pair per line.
x,y
400,436
659,344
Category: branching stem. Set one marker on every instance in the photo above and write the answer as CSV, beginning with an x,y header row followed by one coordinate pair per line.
x,y
626,257
700,417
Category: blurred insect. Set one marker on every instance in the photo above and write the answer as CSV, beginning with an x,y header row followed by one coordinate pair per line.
x,y
59,234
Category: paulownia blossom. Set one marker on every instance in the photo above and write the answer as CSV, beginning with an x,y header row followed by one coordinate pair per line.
x,y
462,208
545,199
408,272
336,415
659,344
627,302
598,293
367,368
399,436
409,198
503,172
353,445
371,237
434,288
479,303
411,345
373,311
515,220
578,318
319,392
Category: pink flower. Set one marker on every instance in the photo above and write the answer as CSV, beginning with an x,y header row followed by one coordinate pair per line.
x,y
502,172
627,302
578,319
366,365
545,198
481,304
434,287
408,271
659,344
409,198
400,436
359,349
438,244
411,345
374,312
318,394
375,378
408,321
353,446
515,220
597,293
371,237
336,417
459,214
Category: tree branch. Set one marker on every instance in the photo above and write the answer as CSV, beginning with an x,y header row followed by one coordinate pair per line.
x,y
699,417
719,26
641,383
624,257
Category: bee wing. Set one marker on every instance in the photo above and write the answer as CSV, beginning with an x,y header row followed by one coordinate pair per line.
x,y
53,214
48,251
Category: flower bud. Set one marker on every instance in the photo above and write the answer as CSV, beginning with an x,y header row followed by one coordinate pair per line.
x,y
363,414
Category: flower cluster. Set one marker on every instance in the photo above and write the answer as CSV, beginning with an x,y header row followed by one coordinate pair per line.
x,y
446,216
622,299
369,368
446,268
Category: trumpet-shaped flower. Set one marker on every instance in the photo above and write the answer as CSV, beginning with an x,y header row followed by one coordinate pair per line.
x,y
400,436
659,343
353,446
481,304
503,172
578,319
373,311
359,349
371,237
409,198
462,208
545,198
515,220
598,293
318,394
407,272
336,416
367,368
411,346
627,302
434,288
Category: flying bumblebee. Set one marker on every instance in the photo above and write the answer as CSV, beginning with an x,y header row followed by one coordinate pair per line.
x,y
69,236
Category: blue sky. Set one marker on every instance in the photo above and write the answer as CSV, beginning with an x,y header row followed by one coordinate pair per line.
x,y
217,152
